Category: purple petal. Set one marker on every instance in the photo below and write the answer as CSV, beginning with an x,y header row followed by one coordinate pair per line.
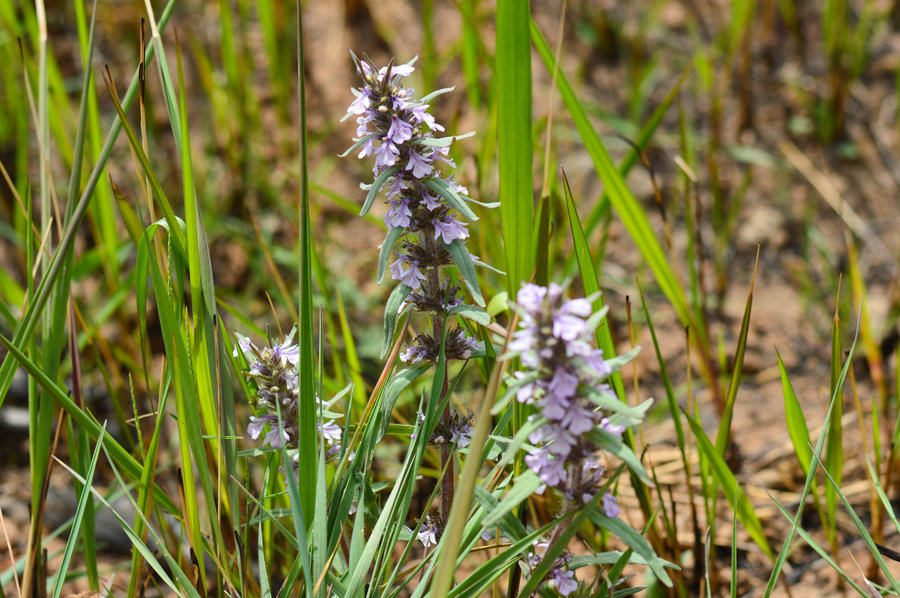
x,y
610,505
420,166
449,229
400,131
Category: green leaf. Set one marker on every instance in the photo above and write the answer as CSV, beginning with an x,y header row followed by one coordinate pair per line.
x,y
512,77
724,434
375,187
386,247
613,444
442,188
391,311
463,260
473,312
796,421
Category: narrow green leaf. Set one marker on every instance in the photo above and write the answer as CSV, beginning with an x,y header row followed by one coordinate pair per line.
x,y
387,247
472,312
306,368
456,201
796,421
79,514
375,187
724,434
463,260
613,444
591,284
391,311
834,446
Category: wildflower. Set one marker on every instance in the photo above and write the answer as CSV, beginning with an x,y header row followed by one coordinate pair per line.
x,y
398,131
610,505
554,343
274,369
560,575
428,533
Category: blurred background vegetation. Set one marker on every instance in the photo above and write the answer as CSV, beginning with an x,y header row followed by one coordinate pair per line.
x,y
766,128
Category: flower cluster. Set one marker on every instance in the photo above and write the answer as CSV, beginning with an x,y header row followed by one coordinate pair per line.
x,y
560,575
274,368
564,380
424,206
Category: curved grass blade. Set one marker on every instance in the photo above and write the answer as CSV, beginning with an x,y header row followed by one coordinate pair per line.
x,y
629,209
730,487
820,444
724,434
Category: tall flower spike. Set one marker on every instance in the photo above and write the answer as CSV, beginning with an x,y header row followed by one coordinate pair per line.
x,y
554,341
424,205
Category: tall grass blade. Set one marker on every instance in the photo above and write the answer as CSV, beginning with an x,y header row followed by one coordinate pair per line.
x,y
306,368
820,445
834,446
513,80
631,212
723,437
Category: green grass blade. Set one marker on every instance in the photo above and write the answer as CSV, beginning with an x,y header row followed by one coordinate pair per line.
x,y
628,208
730,487
79,514
591,284
723,437
513,80
834,447
820,444
306,368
